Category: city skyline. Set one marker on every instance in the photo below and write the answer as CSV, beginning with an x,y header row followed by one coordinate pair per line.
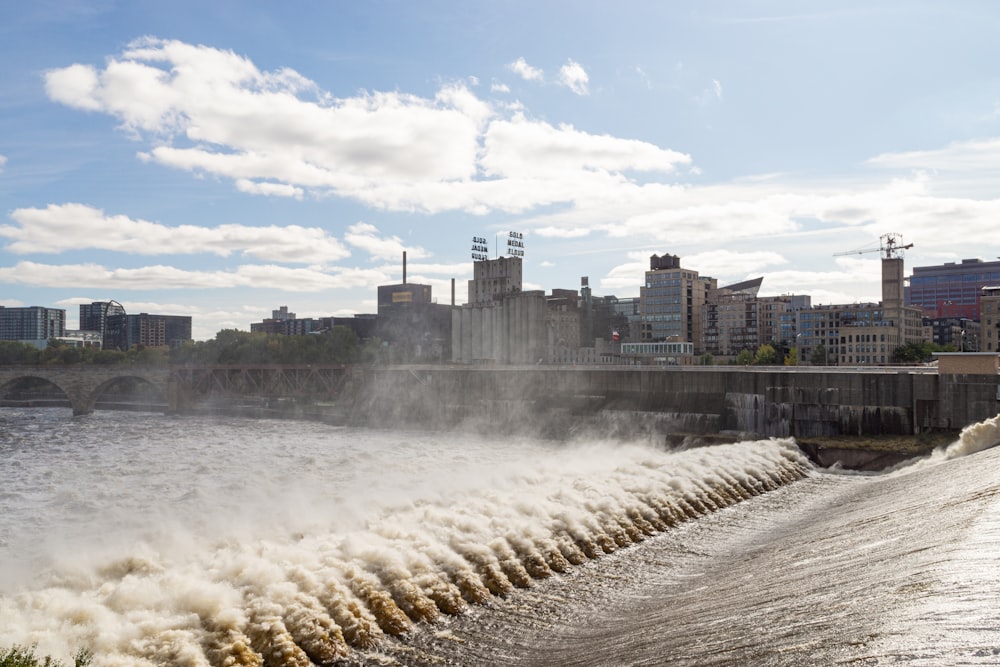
x,y
221,161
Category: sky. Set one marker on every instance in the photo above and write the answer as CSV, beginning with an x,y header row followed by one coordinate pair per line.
x,y
223,159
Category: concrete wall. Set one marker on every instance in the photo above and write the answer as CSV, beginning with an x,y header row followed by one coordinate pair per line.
x,y
670,400
968,363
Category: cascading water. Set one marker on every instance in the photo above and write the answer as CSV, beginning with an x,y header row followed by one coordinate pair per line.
x,y
155,541
247,547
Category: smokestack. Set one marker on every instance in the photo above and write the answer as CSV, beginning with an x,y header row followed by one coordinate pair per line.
x,y
452,291
404,267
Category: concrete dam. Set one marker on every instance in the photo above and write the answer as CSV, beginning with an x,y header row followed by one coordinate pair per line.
x,y
751,402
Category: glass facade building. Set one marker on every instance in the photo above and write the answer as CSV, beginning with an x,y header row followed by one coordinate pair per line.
x,y
32,324
952,289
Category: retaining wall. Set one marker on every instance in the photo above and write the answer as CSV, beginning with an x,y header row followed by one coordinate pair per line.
x,y
687,400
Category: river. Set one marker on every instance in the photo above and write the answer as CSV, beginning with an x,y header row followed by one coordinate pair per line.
x,y
156,540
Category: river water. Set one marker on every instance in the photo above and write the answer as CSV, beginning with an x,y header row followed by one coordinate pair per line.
x,y
155,540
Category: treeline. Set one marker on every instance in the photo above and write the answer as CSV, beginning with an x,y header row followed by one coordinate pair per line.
x,y
338,345
58,353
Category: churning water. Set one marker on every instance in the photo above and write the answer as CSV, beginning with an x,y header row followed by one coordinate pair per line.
x,y
162,541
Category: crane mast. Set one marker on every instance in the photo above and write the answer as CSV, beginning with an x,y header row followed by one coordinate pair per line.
x,y
890,245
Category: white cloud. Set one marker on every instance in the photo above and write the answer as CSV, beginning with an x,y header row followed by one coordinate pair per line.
x,y
59,228
209,111
523,148
160,277
713,93
731,266
74,86
3,162
980,154
275,189
366,237
275,133
644,78
498,87
573,76
627,276
526,71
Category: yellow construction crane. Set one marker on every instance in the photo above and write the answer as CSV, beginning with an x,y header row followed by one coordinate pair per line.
x,y
891,246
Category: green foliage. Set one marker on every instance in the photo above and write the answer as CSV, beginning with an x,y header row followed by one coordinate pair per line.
x,y
338,345
25,657
59,353
792,358
745,358
917,353
818,357
13,353
767,356
706,359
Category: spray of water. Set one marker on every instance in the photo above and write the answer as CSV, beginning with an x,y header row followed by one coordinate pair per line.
x,y
319,597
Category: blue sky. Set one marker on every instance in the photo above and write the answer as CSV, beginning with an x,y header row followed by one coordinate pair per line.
x,y
222,159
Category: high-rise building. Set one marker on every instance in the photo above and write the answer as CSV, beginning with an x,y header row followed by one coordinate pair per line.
x,y
107,318
32,324
157,330
671,302
952,289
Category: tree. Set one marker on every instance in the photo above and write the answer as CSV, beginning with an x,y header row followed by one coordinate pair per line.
x,y
916,353
745,358
818,357
792,358
766,355
706,359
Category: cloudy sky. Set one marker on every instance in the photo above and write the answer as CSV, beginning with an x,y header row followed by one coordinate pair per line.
x,y
221,159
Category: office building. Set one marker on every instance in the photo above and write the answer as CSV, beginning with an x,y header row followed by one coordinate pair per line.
x,y
107,318
952,289
671,302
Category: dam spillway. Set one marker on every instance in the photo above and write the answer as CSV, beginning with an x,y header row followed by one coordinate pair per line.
x,y
754,402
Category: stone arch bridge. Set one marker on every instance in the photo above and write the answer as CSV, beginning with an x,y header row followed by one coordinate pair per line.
x,y
180,385
84,385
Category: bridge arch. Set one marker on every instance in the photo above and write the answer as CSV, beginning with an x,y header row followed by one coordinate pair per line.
x,y
86,406
84,385
27,382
